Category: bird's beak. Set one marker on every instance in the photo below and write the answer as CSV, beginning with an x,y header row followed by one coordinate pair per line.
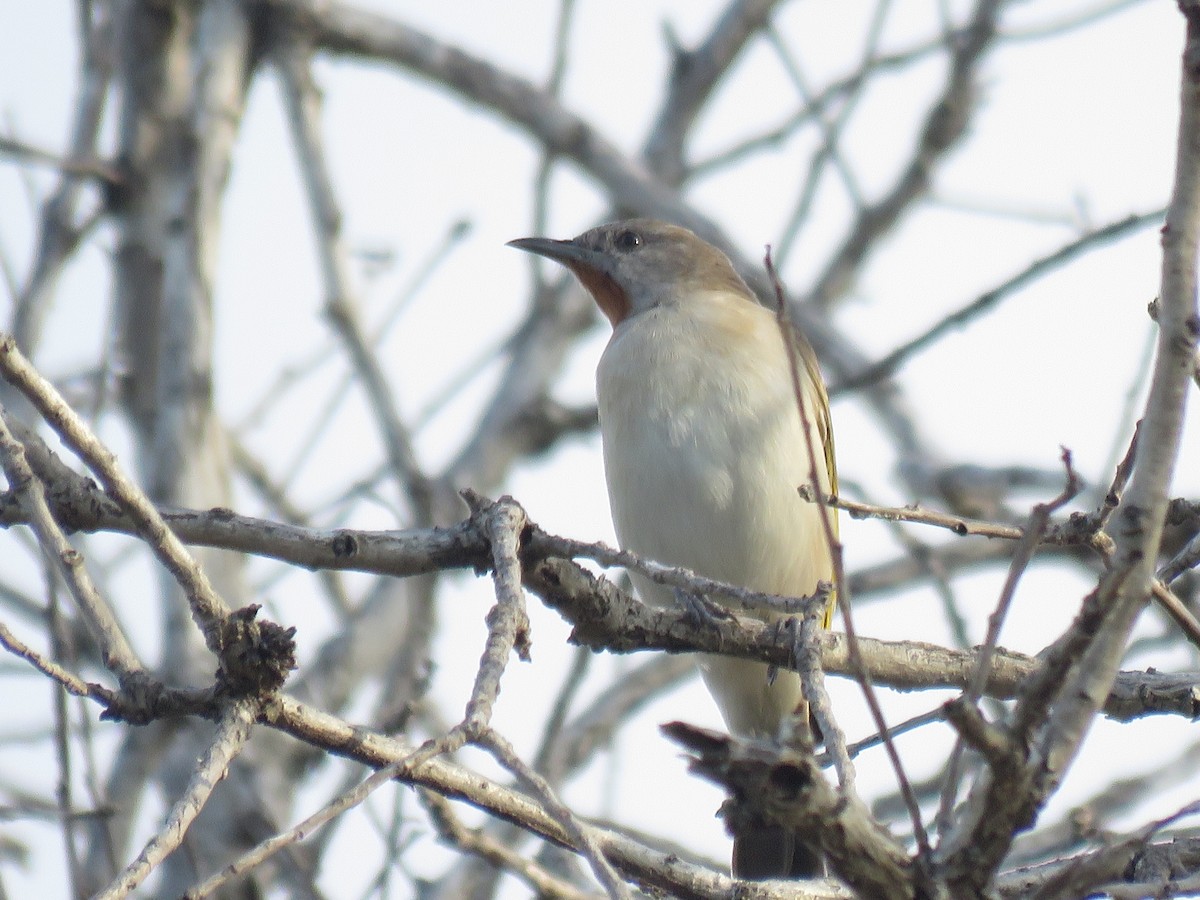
x,y
569,253
592,267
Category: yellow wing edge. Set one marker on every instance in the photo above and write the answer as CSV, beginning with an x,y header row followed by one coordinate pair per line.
x,y
824,422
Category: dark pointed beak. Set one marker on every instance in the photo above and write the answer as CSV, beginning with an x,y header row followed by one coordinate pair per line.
x,y
592,267
568,253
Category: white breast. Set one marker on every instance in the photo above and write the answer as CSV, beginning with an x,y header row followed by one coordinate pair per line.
x,y
703,453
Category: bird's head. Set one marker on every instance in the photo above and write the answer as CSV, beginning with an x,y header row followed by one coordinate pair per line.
x,y
637,264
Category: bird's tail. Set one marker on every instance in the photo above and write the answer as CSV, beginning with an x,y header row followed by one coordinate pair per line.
x,y
762,852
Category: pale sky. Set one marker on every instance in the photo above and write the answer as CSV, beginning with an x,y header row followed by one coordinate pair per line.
x,y
1079,131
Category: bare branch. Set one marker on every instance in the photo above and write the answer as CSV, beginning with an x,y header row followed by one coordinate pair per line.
x,y
294,64
891,364
987,830
944,126
694,76
208,609
66,561
232,734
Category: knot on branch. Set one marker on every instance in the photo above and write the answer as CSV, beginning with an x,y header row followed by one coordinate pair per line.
x,y
1161,863
141,701
781,786
767,784
77,502
496,519
255,657
1184,513
344,545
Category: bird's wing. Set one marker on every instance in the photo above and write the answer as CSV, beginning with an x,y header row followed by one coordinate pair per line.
x,y
824,423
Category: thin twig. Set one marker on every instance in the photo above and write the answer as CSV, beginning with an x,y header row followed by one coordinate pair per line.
x,y
293,62
70,682
208,609
890,364
829,152
231,735
65,560
541,181
97,168
508,621
812,679
695,76
263,851
1038,521
1034,528
841,588
1062,717
498,853
945,123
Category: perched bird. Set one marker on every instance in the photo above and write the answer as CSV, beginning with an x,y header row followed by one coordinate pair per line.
x,y
704,450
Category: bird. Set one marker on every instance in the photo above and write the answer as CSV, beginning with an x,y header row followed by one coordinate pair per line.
x,y
704,449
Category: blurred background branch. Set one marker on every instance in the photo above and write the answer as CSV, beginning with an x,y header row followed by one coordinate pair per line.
x,y
257,245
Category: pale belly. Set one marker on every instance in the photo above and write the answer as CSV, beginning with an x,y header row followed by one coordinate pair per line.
x,y
696,480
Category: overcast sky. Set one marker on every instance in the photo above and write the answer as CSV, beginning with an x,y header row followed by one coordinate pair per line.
x,y
1075,133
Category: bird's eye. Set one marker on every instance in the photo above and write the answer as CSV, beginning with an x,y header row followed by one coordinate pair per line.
x,y
628,240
